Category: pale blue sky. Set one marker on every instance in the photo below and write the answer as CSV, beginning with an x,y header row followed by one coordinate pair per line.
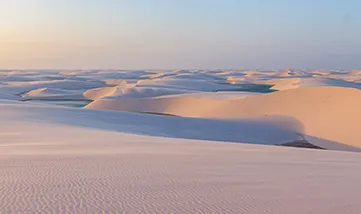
x,y
180,34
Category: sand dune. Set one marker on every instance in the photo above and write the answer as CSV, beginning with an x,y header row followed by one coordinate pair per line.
x,y
35,92
284,84
51,94
228,95
130,92
114,82
321,110
98,93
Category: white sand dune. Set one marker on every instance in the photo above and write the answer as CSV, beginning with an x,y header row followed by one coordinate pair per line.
x,y
98,93
21,87
130,92
114,82
187,84
44,92
228,95
35,92
321,110
310,82
284,84
52,94
281,84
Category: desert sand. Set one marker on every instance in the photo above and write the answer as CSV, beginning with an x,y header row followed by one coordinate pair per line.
x,y
185,141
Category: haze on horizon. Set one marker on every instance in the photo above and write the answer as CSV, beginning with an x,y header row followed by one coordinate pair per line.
x,y
132,34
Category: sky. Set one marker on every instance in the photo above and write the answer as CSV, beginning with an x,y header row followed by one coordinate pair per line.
x,y
173,34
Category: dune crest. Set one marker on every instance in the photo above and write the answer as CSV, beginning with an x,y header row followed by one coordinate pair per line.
x,y
98,93
284,84
35,92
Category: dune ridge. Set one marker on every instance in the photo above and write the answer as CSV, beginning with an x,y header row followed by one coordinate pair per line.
x,y
99,93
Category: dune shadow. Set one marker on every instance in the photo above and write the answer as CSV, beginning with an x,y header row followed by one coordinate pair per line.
x,y
266,130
